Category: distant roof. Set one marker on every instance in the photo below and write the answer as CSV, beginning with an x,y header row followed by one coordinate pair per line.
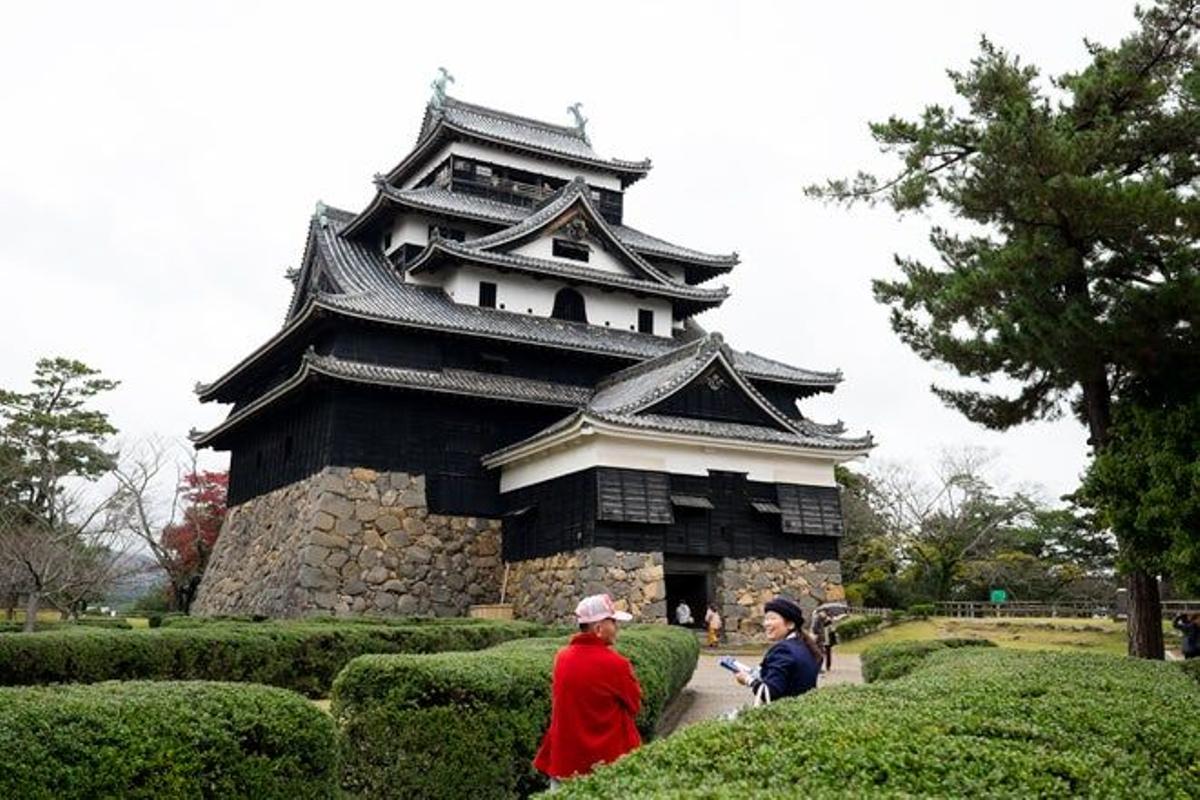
x,y
368,287
559,142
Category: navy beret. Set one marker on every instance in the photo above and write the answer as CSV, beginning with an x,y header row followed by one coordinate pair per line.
x,y
786,608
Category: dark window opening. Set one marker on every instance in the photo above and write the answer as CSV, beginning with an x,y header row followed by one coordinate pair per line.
x,y
571,250
569,306
645,321
453,234
387,240
487,294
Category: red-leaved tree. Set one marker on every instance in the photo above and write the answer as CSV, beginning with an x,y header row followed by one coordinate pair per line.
x,y
189,542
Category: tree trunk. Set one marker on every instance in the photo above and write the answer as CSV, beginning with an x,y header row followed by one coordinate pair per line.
x,y
1144,624
31,610
1145,616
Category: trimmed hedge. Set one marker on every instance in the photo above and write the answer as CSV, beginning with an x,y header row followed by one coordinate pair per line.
x,y
468,724
164,740
857,627
109,623
1191,667
888,661
302,656
967,722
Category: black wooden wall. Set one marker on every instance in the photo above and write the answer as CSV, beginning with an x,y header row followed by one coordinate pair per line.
x,y
289,442
337,424
564,514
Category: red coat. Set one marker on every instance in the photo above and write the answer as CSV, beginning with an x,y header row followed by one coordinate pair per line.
x,y
594,699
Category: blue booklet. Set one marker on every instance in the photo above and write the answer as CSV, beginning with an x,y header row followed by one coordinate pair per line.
x,y
733,665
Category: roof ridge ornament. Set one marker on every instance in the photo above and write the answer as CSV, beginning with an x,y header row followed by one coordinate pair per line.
x,y
580,120
438,101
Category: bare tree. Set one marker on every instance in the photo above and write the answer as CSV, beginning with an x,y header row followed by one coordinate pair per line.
x,y
66,563
940,526
151,508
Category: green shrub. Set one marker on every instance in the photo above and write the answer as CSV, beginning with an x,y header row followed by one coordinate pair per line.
x,y
1191,667
164,740
468,724
897,615
970,722
857,627
888,661
301,656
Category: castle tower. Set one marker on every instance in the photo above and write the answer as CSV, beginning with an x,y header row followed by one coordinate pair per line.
x,y
487,368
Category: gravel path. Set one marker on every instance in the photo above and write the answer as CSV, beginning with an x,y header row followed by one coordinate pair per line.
x,y
712,691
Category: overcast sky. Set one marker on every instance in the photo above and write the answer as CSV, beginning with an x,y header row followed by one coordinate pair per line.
x,y
159,163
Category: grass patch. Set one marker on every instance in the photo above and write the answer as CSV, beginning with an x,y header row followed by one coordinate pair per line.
x,y
1062,635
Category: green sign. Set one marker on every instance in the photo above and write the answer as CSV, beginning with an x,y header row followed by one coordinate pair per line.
x,y
999,596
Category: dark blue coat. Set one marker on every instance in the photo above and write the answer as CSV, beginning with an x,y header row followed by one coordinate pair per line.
x,y
788,669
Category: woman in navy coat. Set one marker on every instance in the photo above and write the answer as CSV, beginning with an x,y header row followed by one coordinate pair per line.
x,y
790,667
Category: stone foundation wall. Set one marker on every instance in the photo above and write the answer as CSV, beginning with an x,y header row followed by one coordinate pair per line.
x,y
548,589
350,541
744,585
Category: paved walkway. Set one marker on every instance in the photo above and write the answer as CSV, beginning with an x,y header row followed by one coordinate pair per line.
x,y
712,692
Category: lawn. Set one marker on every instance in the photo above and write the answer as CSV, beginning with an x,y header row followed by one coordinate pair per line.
x,y
1079,635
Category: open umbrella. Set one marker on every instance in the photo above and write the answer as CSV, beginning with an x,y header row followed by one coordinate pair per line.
x,y
835,609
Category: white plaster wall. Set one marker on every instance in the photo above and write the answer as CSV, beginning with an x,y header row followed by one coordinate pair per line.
x,y
413,228
522,294
601,259
599,450
600,180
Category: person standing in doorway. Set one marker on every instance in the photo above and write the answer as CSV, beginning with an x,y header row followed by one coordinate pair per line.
x,y
683,613
594,697
712,622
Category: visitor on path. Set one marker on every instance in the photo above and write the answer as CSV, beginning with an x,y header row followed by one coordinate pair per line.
x,y
1190,628
824,631
594,697
683,613
790,667
712,622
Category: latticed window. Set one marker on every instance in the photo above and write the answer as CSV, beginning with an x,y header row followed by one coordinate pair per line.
x,y
810,510
630,495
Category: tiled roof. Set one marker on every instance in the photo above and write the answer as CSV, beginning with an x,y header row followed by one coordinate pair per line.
x,y
444,201
368,287
735,430
501,126
713,429
542,266
448,381
637,388
454,381
643,384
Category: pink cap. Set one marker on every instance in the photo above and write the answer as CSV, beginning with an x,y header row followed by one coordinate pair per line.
x,y
598,607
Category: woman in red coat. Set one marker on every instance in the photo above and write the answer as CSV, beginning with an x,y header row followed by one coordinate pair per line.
x,y
594,697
